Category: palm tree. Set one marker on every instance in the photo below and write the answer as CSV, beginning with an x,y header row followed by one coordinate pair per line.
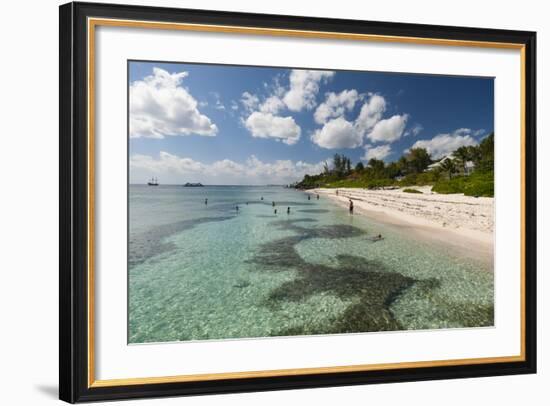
x,y
448,165
475,154
462,154
403,165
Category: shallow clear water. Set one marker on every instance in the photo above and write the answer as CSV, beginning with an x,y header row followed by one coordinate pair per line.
x,y
200,271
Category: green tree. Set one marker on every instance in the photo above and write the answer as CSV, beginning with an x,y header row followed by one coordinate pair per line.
x,y
342,165
377,165
475,154
487,153
418,159
462,155
393,170
359,167
403,165
448,166
337,161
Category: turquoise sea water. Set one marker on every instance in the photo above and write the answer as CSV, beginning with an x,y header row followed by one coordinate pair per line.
x,y
200,271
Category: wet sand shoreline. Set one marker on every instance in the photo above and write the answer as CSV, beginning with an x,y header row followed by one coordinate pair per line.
x,y
462,224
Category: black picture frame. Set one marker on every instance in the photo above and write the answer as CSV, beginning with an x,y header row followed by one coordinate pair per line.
x,y
74,199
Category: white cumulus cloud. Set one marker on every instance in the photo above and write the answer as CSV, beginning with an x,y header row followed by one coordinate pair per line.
x,y
273,104
250,101
444,144
267,125
264,119
166,162
338,133
388,130
304,86
160,107
371,113
341,133
170,168
479,133
379,152
335,105
414,130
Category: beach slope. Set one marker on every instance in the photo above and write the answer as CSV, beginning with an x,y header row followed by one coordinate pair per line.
x,y
462,222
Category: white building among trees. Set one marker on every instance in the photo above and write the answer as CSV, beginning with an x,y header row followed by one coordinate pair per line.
x,y
468,167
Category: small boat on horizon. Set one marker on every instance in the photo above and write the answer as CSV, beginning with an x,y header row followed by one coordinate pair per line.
x,y
198,184
153,182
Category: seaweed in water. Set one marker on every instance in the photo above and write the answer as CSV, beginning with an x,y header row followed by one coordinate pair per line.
x,y
368,283
314,211
288,224
151,243
373,288
443,313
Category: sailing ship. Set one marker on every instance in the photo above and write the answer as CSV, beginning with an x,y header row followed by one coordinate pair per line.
x,y
153,182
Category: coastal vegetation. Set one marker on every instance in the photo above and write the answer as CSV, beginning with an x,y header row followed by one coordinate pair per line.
x,y
468,170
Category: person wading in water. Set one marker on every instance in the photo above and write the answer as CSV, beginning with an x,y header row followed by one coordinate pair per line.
x,y
350,206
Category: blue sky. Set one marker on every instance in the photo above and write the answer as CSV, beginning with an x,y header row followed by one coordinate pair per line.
x,y
222,124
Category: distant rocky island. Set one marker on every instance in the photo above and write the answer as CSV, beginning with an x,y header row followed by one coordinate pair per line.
x,y
198,184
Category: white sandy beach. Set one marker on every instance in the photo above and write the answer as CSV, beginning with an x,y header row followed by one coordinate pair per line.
x,y
461,222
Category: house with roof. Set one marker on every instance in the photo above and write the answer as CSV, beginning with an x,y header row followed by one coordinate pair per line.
x,y
469,167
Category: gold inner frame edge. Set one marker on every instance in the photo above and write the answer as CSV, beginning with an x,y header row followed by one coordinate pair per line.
x,y
92,23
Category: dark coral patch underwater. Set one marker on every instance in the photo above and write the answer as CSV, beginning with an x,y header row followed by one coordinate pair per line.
x,y
314,211
370,284
151,243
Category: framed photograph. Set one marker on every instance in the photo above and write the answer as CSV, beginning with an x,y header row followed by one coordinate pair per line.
x,y
257,202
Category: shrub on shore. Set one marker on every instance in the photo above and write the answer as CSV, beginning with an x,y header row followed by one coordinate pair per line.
x,y
484,188
409,190
477,184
